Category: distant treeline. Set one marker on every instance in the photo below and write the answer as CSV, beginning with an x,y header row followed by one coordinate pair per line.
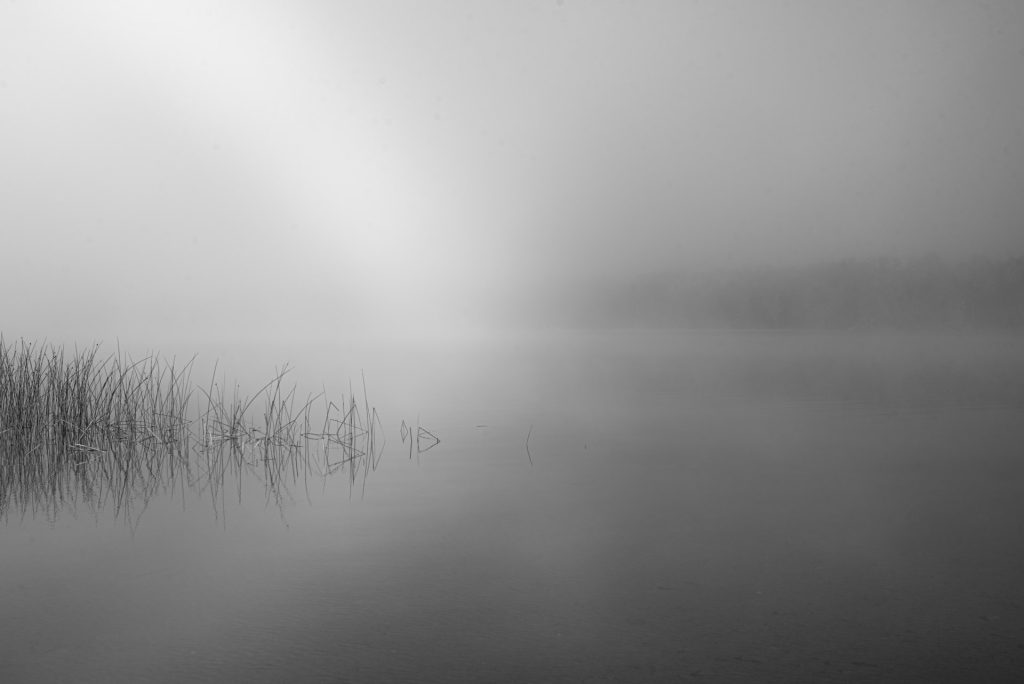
x,y
878,293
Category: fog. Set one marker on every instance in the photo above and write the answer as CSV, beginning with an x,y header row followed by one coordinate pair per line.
x,y
511,341
197,165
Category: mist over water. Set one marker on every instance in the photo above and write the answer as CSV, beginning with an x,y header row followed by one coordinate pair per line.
x,y
197,167
714,308
734,503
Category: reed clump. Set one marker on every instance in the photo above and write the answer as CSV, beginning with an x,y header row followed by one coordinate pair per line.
x,y
82,427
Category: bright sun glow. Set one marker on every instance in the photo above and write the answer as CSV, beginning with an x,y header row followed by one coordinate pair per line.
x,y
344,174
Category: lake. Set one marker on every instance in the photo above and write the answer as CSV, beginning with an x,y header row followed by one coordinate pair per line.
x,y
603,506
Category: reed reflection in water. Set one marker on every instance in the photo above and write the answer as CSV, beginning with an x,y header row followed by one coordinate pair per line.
x,y
84,429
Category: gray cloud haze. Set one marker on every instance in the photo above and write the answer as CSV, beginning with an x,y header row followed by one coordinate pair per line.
x,y
211,161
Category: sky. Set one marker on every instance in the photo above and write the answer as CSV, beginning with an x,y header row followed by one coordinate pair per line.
x,y
256,163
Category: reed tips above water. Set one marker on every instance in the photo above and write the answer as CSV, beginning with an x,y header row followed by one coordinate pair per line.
x,y
82,426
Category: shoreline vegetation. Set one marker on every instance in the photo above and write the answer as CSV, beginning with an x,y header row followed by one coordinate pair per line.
x,y
885,294
84,428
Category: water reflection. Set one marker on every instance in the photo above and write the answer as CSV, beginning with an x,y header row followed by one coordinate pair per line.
x,y
111,433
718,504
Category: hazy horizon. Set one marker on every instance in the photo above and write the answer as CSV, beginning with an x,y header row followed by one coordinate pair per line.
x,y
392,164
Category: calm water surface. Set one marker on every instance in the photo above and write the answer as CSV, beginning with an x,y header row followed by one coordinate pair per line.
x,y
712,506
